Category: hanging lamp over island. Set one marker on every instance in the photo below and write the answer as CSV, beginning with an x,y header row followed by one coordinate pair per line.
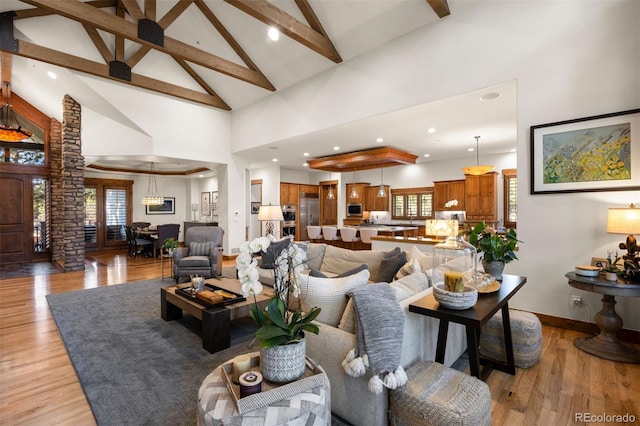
x,y
477,170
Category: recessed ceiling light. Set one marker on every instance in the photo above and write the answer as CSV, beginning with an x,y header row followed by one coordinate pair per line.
x,y
273,33
427,155
490,96
200,176
275,160
379,140
305,164
470,149
431,130
52,75
306,154
336,148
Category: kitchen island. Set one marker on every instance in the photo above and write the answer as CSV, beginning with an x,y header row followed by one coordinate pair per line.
x,y
385,242
392,230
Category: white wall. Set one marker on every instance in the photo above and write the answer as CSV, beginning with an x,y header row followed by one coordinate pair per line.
x,y
570,59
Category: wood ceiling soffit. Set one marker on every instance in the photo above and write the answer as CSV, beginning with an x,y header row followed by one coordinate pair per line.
x,y
441,7
83,13
147,172
66,60
266,12
362,160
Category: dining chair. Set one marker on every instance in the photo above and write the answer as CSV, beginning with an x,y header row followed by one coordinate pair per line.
x,y
348,236
137,244
169,230
314,232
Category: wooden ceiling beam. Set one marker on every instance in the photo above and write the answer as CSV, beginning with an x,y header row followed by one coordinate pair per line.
x,y
50,56
150,9
119,40
97,40
83,13
38,11
362,160
266,12
133,9
440,7
200,80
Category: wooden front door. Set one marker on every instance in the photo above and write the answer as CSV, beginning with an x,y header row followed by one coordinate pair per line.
x,y
16,218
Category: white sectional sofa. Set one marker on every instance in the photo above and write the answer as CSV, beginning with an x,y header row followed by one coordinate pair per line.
x,y
350,397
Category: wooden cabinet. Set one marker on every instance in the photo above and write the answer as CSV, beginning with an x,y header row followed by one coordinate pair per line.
x,y
447,190
289,194
482,197
374,203
360,190
308,189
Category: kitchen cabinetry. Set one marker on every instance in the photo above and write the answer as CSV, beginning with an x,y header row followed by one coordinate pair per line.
x,y
447,190
374,203
360,190
289,194
482,197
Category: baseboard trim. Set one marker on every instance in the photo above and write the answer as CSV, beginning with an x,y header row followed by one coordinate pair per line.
x,y
630,336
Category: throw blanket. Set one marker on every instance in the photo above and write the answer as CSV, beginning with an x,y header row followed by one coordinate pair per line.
x,y
379,327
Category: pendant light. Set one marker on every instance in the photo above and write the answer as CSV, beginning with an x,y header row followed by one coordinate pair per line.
x,y
10,129
381,192
477,169
152,198
330,194
354,193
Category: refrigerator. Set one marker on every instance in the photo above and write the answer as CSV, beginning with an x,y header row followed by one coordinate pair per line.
x,y
309,213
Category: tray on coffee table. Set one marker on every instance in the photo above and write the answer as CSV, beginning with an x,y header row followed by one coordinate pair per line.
x,y
185,291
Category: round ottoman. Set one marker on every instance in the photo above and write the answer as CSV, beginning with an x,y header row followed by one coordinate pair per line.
x,y
526,334
216,406
439,395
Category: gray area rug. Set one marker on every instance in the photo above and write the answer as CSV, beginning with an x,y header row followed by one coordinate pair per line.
x,y
134,367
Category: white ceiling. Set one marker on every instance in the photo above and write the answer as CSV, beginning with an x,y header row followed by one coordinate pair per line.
x,y
354,26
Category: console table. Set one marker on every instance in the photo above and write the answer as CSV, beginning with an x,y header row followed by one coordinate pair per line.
x,y
473,319
606,344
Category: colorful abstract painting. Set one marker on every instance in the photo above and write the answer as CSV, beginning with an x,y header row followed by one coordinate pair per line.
x,y
587,155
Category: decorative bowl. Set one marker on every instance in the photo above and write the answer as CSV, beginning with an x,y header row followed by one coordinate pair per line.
x,y
587,270
455,300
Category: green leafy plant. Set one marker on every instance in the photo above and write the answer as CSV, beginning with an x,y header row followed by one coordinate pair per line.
x,y
279,323
170,243
613,266
494,246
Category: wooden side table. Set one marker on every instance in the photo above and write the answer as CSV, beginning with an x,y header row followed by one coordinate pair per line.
x,y
473,319
606,344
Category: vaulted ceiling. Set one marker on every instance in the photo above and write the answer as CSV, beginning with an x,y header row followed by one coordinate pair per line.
x,y
211,52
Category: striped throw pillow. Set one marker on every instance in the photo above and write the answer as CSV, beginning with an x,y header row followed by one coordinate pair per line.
x,y
200,249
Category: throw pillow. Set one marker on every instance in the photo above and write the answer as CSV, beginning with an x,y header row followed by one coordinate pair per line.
x,y
425,259
389,266
200,249
315,254
338,266
273,251
353,271
408,268
329,294
317,274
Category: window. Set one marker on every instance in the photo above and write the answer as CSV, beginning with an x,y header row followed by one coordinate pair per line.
x,y
412,203
510,197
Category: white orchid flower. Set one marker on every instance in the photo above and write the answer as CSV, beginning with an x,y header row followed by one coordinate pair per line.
x,y
244,247
253,287
245,260
259,244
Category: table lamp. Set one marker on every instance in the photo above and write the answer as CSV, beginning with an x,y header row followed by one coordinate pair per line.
x,y
441,228
626,221
269,214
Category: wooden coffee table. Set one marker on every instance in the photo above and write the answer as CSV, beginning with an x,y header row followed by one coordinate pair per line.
x,y
216,321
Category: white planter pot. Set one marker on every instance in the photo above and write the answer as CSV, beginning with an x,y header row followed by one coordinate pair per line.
x,y
611,276
283,363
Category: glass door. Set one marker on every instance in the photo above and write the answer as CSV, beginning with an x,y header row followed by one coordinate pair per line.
x,y
107,210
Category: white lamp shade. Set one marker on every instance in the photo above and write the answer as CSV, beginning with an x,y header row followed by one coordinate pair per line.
x,y
441,228
270,213
623,220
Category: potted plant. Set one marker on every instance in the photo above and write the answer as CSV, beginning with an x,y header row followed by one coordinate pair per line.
x,y
281,324
612,270
496,248
170,244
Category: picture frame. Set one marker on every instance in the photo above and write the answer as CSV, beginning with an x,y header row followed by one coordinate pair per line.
x,y
255,207
590,154
214,203
205,204
167,207
600,262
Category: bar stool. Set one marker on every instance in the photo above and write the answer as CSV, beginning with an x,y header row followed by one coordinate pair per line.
x,y
330,234
366,234
314,232
348,236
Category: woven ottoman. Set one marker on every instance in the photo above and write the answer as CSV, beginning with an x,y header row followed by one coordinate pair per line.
x,y
439,395
526,334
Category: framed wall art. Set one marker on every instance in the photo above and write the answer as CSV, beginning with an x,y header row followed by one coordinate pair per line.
x,y
214,203
167,207
205,204
599,153
255,207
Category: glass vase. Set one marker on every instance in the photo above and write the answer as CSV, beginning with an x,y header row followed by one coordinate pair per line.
x,y
454,264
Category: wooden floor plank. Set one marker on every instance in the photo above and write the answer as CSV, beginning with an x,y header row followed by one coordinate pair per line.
x,y
38,384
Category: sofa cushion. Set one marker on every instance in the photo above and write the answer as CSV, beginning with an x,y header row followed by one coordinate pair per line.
x,y
194,261
416,261
273,251
357,257
355,270
404,288
200,249
389,265
315,255
329,294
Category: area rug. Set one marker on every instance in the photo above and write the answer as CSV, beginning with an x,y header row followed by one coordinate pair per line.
x,y
134,367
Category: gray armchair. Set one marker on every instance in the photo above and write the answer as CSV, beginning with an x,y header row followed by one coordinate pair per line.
x,y
202,254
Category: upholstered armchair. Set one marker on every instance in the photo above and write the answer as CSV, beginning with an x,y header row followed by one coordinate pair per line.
x,y
201,255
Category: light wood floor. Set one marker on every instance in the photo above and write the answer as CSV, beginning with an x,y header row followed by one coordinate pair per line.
x,y
38,385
